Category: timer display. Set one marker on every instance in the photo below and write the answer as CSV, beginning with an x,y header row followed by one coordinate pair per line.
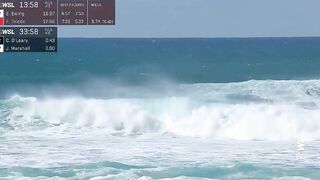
x,y
29,4
29,31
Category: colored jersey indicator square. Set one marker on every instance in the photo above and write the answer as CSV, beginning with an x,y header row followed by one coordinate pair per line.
x,y
1,44
1,17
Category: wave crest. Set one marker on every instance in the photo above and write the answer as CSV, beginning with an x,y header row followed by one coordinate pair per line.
x,y
186,115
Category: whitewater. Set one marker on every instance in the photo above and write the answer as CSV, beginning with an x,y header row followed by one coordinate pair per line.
x,y
258,129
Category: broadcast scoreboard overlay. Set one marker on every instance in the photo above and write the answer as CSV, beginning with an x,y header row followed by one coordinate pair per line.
x,y
32,25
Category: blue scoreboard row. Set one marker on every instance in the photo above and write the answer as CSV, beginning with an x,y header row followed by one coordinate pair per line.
x,y
28,39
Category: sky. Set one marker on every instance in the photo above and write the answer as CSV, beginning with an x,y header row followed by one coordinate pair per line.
x,y
207,18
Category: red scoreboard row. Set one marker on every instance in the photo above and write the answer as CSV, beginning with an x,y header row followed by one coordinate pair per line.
x,y
57,12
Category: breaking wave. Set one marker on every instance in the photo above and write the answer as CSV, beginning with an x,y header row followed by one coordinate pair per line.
x,y
253,110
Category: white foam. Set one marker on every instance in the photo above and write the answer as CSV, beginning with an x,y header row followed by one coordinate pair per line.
x,y
266,110
179,116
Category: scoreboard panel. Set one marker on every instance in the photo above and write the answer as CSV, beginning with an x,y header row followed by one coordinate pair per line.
x,y
57,12
28,39
32,25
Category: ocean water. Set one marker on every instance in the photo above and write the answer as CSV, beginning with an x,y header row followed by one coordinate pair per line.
x,y
162,109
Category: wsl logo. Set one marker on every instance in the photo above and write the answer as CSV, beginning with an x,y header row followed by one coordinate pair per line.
x,y
7,5
7,31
